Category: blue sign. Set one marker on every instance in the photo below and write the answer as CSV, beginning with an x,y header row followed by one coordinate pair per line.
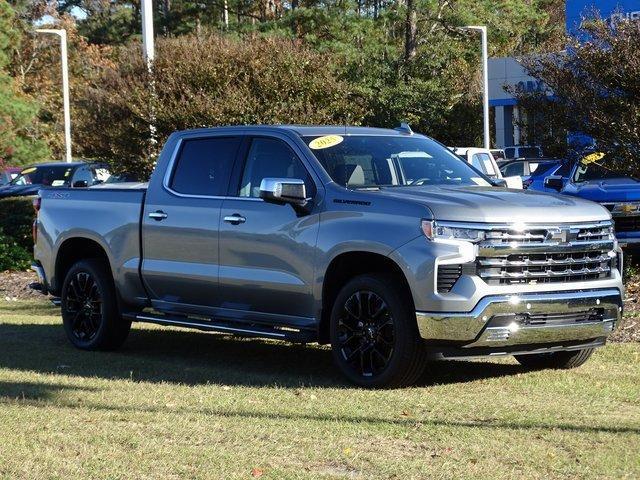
x,y
578,10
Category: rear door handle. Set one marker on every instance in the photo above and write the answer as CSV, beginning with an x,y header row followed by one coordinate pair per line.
x,y
158,215
235,219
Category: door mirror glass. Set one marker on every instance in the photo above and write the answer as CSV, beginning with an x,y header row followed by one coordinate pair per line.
x,y
499,182
80,184
284,190
554,181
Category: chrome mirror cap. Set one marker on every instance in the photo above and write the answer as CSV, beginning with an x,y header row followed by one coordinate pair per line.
x,y
284,190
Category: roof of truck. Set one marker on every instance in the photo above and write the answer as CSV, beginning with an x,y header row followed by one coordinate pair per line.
x,y
313,130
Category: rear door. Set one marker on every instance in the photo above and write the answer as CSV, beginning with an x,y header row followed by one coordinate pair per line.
x,y
180,223
267,249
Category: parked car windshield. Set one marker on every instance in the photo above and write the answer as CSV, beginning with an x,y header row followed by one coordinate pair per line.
x,y
55,176
368,161
590,169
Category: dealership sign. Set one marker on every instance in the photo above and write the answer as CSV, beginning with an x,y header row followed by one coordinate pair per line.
x,y
612,10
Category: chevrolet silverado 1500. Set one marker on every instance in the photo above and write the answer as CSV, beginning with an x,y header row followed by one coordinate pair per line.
x,y
381,243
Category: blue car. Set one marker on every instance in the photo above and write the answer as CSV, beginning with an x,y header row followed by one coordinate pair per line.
x,y
534,170
617,190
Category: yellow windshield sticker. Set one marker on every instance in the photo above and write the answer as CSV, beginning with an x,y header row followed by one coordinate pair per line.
x,y
594,157
28,170
325,142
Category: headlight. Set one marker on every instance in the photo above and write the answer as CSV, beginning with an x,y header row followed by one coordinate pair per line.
x,y
433,231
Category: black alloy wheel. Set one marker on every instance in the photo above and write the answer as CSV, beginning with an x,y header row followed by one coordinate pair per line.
x,y
83,306
366,333
90,312
374,333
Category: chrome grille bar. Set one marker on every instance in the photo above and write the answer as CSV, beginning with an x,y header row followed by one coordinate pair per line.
x,y
546,253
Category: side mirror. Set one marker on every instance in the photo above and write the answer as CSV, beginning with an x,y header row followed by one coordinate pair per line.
x,y
555,182
80,184
284,190
499,182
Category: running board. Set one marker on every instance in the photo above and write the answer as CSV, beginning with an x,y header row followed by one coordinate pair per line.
x,y
210,325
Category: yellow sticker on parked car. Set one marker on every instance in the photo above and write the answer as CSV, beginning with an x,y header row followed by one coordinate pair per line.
x,y
325,142
594,157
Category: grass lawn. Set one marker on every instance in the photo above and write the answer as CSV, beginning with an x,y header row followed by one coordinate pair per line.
x,y
182,404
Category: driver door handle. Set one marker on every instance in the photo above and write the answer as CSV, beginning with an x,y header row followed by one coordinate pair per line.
x,y
158,215
235,219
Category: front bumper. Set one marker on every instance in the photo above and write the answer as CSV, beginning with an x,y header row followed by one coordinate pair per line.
x,y
526,319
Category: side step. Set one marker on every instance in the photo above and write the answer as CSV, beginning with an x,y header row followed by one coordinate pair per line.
x,y
211,325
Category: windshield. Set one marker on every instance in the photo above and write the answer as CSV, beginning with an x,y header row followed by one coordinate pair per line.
x,y
388,161
594,167
55,176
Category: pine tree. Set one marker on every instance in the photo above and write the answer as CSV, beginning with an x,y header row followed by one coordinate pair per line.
x,y
18,144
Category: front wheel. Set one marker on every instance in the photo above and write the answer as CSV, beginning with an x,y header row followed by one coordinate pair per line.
x,y
374,334
90,312
556,360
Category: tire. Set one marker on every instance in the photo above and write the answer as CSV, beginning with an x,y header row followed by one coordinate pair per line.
x,y
378,345
557,360
90,313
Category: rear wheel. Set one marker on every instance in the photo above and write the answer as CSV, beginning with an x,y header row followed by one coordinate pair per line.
x,y
90,312
557,360
374,334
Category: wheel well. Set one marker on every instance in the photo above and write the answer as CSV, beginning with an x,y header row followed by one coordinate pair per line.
x,y
74,250
345,267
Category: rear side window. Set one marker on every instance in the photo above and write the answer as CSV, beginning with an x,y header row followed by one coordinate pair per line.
x,y
513,170
204,166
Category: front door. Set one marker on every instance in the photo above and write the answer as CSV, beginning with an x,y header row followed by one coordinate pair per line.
x,y
267,250
180,224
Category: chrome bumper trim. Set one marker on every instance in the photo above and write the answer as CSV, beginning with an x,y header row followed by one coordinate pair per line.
x,y
474,328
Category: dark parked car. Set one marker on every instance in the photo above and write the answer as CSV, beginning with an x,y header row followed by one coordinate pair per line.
x,y
535,181
525,167
8,174
75,174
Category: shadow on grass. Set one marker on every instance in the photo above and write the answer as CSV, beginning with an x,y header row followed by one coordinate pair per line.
x,y
40,309
35,391
163,355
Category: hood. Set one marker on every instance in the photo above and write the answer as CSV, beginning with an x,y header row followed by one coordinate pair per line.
x,y
497,205
19,190
609,190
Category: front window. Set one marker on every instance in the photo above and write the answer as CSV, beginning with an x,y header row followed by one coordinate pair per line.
x,y
595,167
54,176
364,161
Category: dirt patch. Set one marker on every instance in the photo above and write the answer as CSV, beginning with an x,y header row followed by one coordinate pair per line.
x,y
15,286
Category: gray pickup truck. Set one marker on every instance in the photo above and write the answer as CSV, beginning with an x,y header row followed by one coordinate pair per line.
x,y
380,242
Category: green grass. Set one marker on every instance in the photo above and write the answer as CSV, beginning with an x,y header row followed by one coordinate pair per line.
x,y
178,404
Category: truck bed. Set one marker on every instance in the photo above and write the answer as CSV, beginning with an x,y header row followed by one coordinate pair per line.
x,y
109,217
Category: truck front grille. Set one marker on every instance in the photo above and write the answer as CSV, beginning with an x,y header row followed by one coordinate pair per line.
x,y
558,254
548,319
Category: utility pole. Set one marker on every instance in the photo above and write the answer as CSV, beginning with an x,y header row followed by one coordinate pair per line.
x,y
62,33
485,81
149,53
147,32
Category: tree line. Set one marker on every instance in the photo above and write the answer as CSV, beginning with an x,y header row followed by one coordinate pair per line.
x,y
370,62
